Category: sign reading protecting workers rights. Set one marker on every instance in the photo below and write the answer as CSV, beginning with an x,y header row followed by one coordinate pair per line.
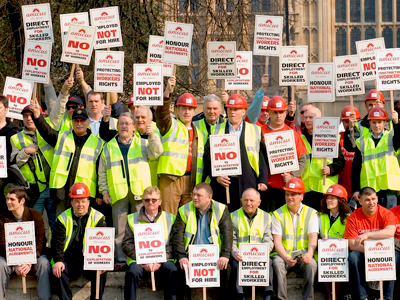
x,y
155,54
349,80
380,263
366,50
332,260
203,270
225,155
267,35
37,60
221,60
20,243
148,84
177,43
108,33
19,94
109,71
150,243
325,137
244,72
3,157
67,19
321,87
388,69
293,61
37,22
99,248
79,45
254,269
282,153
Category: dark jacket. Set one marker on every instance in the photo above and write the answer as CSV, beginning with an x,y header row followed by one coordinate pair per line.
x,y
225,227
8,131
28,215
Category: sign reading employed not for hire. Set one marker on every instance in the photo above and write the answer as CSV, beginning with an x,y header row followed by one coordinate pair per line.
x,y
244,76
225,155
177,43
20,243
19,94
221,60
37,60
109,71
150,243
78,46
349,80
332,260
321,87
388,69
99,248
325,137
366,50
37,22
267,35
293,61
108,33
148,84
254,269
380,261
203,270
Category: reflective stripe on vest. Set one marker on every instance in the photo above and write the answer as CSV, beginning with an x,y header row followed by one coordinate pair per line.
x,y
201,125
334,232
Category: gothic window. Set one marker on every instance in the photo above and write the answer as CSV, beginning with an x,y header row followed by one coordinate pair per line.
x,y
387,10
370,33
355,36
355,15
387,33
341,45
369,10
340,11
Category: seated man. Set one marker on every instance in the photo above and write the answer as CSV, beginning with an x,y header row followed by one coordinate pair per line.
x,y
17,212
294,219
150,212
370,221
69,239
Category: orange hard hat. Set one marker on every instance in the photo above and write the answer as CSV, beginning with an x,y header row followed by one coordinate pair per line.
x,y
264,105
347,111
78,191
295,185
237,101
338,191
373,95
277,103
186,99
378,113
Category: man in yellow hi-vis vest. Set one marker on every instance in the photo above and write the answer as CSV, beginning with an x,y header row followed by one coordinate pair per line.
x,y
211,115
295,232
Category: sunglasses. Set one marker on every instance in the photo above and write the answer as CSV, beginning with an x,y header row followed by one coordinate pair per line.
x,y
72,107
152,200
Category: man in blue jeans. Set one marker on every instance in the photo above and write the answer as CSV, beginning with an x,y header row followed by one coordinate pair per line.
x,y
369,222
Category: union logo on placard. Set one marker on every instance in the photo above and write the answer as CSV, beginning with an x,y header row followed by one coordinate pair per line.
x,y
389,57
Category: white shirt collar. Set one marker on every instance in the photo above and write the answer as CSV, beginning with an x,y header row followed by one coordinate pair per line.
x,y
299,211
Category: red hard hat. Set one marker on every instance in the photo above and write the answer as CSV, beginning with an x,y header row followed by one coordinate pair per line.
x,y
237,101
295,185
130,102
264,105
338,191
78,191
373,95
347,111
378,113
277,103
186,100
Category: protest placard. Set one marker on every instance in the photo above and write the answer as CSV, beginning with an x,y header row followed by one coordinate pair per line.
x,y
225,155
332,260
348,75
267,35
203,270
293,62
322,82
254,269
3,157
19,94
109,71
244,72
282,153
37,61
177,43
380,261
67,19
221,60
150,243
388,69
108,33
366,50
155,54
148,84
20,243
79,44
37,22
325,137
99,248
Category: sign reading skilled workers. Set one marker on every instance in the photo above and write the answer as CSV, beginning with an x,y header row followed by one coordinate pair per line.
x,y
244,72
225,155
388,69
267,35
254,269
37,60
177,43
366,50
322,82
349,80
293,61
20,243
155,54
380,261
99,248
325,137
148,84
37,22
67,19
109,71
108,33
332,260
150,243
203,270
79,45
282,153
3,157
221,60
19,94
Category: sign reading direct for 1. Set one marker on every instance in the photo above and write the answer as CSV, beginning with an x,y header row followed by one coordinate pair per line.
x,y
333,265
37,22
293,61
380,261
221,60
254,269
325,137
349,80
366,50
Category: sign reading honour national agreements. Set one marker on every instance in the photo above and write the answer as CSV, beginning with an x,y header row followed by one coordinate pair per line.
x,y
20,243
322,82
155,54
177,43
332,260
150,243
380,261
99,248
37,22
293,61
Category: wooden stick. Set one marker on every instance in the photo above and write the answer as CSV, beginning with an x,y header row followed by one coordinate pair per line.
x,y
24,284
352,104
174,70
253,293
204,293
266,64
228,197
333,291
322,106
71,75
381,289
34,96
77,66
108,96
97,284
292,94
324,178
391,102
153,282
223,85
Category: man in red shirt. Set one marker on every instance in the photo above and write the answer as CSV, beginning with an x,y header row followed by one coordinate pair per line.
x,y
396,211
370,221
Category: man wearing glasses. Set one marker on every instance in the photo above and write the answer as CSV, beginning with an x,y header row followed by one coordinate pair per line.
x,y
151,212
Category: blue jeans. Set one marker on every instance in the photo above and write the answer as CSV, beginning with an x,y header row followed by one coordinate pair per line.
x,y
357,276
45,201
